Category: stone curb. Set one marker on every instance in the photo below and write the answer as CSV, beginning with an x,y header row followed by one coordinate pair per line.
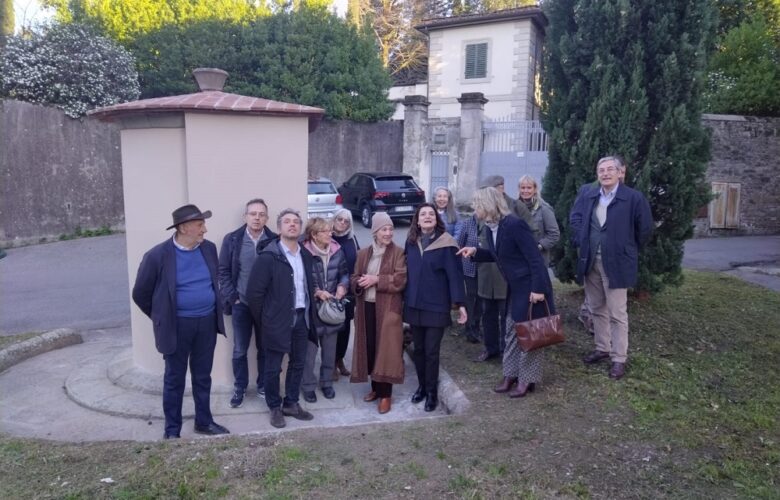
x,y
55,339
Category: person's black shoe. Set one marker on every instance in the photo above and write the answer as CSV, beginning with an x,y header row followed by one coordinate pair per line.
x,y
431,401
171,436
277,418
238,399
328,392
418,395
295,411
212,429
309,396
472,339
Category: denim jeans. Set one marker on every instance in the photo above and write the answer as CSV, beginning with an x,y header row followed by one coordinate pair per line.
x,y
273,366
243,325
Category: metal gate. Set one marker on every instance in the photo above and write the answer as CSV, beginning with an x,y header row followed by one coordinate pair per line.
x,y
440,169
513,148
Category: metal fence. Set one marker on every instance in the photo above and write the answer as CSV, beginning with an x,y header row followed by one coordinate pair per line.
x,y
513,148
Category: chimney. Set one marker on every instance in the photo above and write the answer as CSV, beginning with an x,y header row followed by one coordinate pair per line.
x,y
210,78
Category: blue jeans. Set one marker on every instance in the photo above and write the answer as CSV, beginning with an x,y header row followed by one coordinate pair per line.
x,y
195,342
273,366
243,324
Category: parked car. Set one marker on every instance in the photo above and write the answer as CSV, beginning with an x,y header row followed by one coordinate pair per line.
x,y
323,200
365,193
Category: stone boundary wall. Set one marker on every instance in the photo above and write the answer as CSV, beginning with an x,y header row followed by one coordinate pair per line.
x,y
58,174
746,150
338,149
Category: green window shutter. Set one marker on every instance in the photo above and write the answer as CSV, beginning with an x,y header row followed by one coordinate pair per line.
x,y
476,60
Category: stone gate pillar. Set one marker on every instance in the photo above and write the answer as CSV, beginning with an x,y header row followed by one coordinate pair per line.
x,y
417,157
472,112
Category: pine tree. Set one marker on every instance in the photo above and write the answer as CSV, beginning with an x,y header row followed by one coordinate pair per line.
x,y
625,77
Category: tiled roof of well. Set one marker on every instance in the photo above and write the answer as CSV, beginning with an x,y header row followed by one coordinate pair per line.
x,y
210,101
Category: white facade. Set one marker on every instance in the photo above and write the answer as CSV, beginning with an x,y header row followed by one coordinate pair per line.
x,y
512,65
397,94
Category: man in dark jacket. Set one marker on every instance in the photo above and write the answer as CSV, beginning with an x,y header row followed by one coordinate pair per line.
x,y
238,253
280,295
177,288
609,225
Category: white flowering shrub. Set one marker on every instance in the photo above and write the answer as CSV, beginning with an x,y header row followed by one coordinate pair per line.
x,y
67,66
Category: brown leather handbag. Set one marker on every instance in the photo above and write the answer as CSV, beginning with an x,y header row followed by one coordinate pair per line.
x,y
540,332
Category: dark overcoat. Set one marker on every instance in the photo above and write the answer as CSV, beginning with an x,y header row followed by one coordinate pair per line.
x,y
435,276
628,228
154,291
389,362
230,264
521,264
271,296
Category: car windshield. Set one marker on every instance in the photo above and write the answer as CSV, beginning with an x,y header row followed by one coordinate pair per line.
x,y
395,183
321,188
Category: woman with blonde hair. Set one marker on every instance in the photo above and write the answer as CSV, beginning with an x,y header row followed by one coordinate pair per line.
x,y
512,246
378,283
547,233
331,282
344,236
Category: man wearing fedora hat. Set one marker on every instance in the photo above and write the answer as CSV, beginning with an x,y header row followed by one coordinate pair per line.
x,y
177,288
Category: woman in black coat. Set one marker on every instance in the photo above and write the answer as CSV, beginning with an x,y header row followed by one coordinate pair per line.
x,y
434,287
344,236
513,247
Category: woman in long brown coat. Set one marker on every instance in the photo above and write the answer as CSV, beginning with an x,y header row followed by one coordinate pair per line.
x,y
378,282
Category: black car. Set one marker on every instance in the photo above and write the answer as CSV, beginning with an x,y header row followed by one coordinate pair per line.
x,y
366,193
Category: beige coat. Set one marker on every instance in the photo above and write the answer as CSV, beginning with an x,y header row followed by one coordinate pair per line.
x,y
389,364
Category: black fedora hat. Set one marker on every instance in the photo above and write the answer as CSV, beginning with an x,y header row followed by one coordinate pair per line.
x,y
188,213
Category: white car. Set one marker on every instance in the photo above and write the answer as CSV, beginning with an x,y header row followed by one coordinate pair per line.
x,y
324,199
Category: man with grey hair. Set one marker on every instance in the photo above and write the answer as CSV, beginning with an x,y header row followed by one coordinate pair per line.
x,y
609,224
238,254
280,294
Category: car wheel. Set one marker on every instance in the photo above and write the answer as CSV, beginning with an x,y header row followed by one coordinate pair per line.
x,y
365,216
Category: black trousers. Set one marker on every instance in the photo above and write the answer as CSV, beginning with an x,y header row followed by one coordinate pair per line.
x,y
473,307
195,342
382,389
273,366
427,344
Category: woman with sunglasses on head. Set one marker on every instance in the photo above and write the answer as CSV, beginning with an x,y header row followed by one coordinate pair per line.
x,y
434,288
344,236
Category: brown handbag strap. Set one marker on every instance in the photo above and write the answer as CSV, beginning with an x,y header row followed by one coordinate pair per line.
x,y
531,308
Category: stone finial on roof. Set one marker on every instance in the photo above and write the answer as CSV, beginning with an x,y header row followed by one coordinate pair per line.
x,y
210,78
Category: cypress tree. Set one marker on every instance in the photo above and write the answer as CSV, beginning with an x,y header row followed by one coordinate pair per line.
x,y
625,77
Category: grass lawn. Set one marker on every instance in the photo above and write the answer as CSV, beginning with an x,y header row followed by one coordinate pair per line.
x,y
695,417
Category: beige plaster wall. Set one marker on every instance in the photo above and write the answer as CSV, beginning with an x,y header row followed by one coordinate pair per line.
x,y
217,162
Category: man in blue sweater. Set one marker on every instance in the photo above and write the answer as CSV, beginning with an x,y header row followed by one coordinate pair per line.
x,y
177,288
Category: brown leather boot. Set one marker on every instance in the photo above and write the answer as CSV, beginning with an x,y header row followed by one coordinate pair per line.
x,y
384,405
521,390
506,384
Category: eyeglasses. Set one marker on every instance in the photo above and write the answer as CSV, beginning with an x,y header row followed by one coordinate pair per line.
x,y
257,214
610,170
341,219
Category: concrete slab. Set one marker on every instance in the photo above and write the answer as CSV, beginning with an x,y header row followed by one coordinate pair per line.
x,y
67,395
